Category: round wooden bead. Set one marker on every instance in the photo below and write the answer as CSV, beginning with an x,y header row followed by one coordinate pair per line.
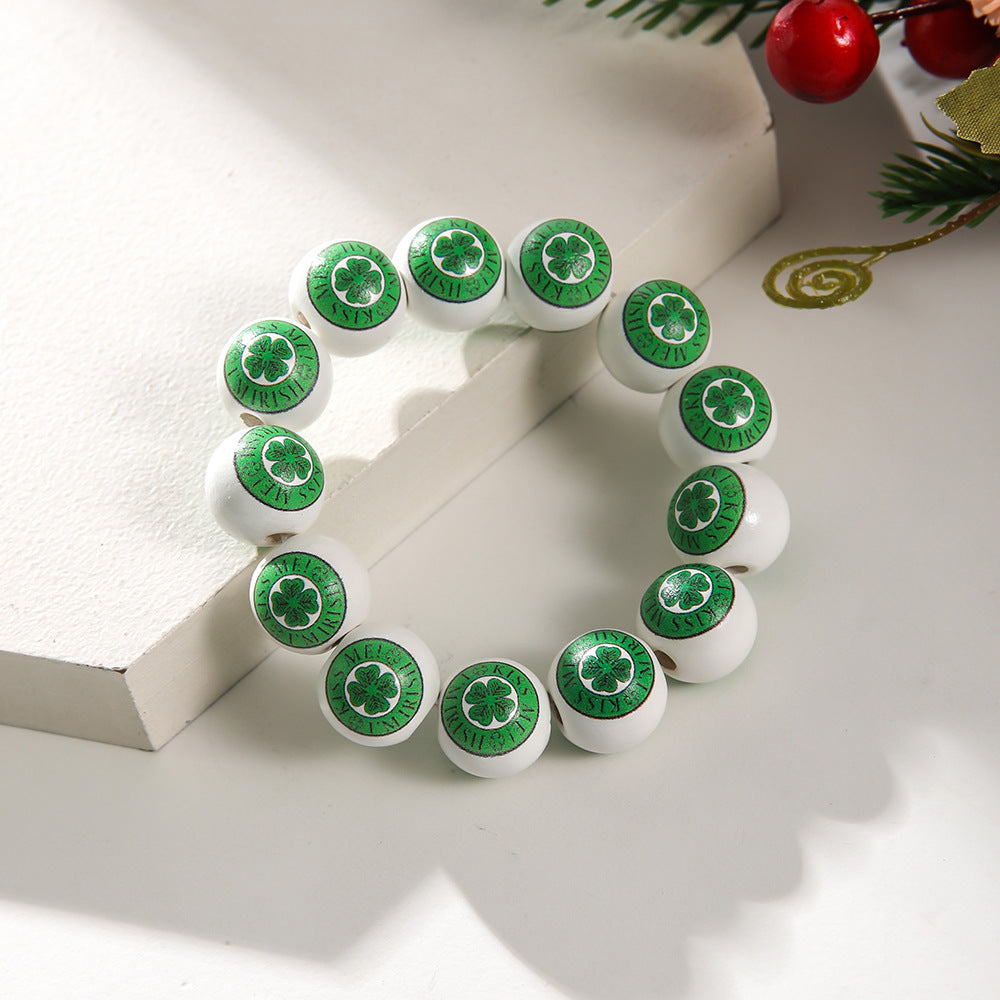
x,y
558,274
308,592
453,270
379,685
274,370
608,691
653,335
494,719
720,413
735,515
350,294
264,483
701,621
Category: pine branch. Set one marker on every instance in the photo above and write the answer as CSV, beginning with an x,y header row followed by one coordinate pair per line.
x,y
946,180
651,13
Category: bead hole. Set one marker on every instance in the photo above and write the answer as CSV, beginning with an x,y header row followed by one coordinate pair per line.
x,y
251,419
278,538
737,570
301,320
665,661
555,710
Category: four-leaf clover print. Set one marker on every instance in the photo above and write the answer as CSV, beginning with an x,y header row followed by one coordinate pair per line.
x,y
728,402
289,460
489,700
267,357
371,690
606,668
569,255
360,280
294,602
685,589
695,504
459,252
675,316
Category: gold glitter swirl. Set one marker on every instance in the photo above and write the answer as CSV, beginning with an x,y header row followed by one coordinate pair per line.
x,y
818,279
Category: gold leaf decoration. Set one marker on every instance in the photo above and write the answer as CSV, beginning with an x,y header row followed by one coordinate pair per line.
x,y
974,107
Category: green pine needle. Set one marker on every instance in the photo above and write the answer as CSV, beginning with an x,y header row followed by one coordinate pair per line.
x,y
946,181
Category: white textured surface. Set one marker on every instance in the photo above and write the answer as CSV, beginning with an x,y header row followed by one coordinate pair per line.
x,y
166,166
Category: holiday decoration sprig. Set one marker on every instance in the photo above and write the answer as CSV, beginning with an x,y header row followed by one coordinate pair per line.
x,y
652,13
824,50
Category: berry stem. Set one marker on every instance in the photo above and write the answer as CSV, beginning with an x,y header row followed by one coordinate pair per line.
x,y
914,10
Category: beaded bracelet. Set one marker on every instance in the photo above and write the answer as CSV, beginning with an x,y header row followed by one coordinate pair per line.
x,y
606,689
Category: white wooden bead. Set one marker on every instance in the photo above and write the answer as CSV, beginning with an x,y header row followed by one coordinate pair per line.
x,y
494,720
378,685
653,334
735,515
608,691
700,620
308,592
453,270
274,370
264,483
718,414
349,293
558,274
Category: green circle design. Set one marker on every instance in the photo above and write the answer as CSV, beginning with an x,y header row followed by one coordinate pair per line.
x,y
687,601
665,324
605,674
279,468
271,366
706,509
354,285
300,600
726,409
374,686
455,260
565,263
489,708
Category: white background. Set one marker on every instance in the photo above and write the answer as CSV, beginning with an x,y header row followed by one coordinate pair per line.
x,y
822,824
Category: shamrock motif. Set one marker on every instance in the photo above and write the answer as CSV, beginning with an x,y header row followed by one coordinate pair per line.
x,y
569,255
729,402
289,458
490,700
294,602
695,504
675,316
606,668
685,589
459,251
371,690
268,357
360,279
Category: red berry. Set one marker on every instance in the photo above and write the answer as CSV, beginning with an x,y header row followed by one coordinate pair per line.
x,y
821,50
951,42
